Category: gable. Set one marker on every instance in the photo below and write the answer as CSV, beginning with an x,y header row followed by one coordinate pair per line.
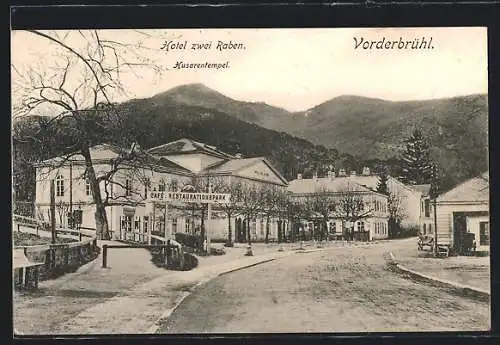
x,y
260,171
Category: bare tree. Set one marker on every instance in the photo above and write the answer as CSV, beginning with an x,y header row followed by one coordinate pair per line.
x,y
271,207
62,209
201,184
323,203
77,87
252,201
351,207
233,208
396,209
282,213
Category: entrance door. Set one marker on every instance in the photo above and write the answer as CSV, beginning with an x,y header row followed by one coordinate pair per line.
x,y
459,230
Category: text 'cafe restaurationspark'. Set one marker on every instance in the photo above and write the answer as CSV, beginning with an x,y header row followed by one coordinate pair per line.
x,y
187,197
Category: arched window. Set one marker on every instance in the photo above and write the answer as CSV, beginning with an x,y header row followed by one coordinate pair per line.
x,y
59,185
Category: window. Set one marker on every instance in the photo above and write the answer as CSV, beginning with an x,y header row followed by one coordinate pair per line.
x,y
161,186
425,228
484,233
174,226
262,227
88,190
430,228
361,226
175,185
333,227
147,181
128,188
427,208
187,226
137,224
145,224
59,185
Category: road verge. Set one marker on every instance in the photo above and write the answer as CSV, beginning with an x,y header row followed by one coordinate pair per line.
x,y
461,289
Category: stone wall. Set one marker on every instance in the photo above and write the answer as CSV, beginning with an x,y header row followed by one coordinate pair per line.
x,y
59,259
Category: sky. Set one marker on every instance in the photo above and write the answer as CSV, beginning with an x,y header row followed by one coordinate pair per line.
x,y
295,69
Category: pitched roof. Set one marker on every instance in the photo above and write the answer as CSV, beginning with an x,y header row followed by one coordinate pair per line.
x,y
424,189
234,165
184,145
476,189
107,152
97,152
335,185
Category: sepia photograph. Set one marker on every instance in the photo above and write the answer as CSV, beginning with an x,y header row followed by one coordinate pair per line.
x,y
312,180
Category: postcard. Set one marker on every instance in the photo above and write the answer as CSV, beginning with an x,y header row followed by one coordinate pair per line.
x,y
178,181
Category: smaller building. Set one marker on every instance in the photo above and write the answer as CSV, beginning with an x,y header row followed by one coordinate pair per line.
x,y
426,210
465,209
332,197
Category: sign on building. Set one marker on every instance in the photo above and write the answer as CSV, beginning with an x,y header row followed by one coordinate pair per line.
x,y
208,198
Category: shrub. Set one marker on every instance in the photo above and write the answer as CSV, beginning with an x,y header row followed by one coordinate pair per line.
x,y
193,241
190,262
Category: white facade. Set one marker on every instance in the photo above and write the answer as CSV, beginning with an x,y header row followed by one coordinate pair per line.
x,y
408,197
129,214
374,217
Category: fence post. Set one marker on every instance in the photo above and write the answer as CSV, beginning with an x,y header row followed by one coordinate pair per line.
x,y
66,256
104,255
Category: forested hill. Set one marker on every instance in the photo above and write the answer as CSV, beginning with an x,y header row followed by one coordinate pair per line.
x,y
154,124
372,131
456,128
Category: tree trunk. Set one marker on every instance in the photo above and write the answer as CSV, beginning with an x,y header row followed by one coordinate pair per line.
x,y
230,232
325,230
202,229
267,230
101,219
248,232
279,231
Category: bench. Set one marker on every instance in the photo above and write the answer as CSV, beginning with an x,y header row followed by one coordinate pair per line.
x,y
21,262
424,241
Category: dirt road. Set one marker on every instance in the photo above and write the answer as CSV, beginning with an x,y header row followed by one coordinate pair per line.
x,y
340,290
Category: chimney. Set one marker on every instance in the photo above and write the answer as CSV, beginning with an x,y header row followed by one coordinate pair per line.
x,y
366,171
342,172
299,176
353,172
